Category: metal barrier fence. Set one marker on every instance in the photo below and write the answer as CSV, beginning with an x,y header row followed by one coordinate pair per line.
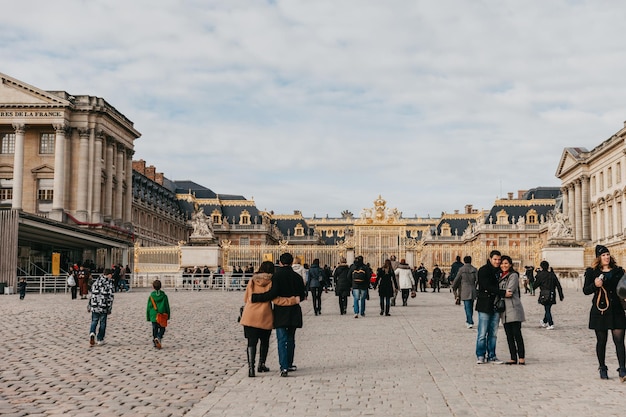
x,y
224,282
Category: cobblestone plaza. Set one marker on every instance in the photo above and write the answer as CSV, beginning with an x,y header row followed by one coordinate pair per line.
x,y
420,361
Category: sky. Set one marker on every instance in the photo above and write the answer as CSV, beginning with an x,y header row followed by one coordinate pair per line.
x,y
320,106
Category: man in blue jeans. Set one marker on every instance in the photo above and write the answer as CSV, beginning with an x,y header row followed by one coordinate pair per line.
x,y
360,275
285,283
488,318
100,305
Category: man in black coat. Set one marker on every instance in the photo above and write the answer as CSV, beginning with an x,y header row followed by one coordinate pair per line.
x,y
488,318
285,283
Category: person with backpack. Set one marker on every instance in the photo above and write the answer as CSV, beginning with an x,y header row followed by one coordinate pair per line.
x,y
360,275
343,282
547,282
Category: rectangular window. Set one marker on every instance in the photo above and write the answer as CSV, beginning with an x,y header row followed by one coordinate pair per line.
x,y
502,241
45,193
618,172
7,144
609,177
601,179
6,191
244,241
593,185
46,143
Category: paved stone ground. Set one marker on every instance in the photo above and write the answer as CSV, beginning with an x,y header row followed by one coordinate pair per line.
x,y
418,362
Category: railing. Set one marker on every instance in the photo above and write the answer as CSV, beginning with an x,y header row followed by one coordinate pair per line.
x,y
44,284
224,282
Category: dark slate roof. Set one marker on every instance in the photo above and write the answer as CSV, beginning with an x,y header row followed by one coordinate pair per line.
x,y
200,191
285,225
455,224
542,193
516,211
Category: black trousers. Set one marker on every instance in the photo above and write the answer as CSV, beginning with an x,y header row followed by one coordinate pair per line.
x,y
515,340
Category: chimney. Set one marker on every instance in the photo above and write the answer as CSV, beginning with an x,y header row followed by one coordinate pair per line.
x,y
456,212
468,209
520,194
158,178
140,166
510,196
150,172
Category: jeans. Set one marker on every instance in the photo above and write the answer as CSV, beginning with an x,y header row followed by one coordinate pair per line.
x,y
405,295
359,300
95,319
487,335
316,295
157,331
384,304
469,311
286,341
547,317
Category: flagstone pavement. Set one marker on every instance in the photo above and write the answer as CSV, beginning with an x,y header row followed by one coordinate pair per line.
x,y
417,362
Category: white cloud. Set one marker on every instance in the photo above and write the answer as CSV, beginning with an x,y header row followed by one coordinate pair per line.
x,y
321,106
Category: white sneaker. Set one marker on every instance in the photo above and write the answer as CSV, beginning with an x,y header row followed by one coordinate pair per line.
x,y
550,327
469,326
100,342
480,360
542,324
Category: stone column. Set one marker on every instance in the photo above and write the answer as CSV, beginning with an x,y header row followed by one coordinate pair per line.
x,y
96,213
119,190
578,204
586,221
128,202
83,175
18,167
571,206
58,197
565,200
108,186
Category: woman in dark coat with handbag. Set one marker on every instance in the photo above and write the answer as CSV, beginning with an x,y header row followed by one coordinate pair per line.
x,y
387,286
606,312
342,284
548,284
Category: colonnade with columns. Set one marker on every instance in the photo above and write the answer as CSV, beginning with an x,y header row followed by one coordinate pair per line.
x,y
576,200
101,178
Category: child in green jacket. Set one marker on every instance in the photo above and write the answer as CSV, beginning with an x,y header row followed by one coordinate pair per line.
x,y
158,305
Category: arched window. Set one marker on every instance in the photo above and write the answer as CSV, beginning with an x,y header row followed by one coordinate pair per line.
x,y
244,217
216,217
445,229
298,230
531,217
503,217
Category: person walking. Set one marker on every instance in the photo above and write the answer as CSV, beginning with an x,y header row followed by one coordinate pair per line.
x,y
285,283
158,303
488,318
454,270
394,266
387,286
406,283
257,319
513,314
437,275
83,275
315,283
360,275
21,287
72,278
100,305
606,311
342,285
422,277
464,286
548,284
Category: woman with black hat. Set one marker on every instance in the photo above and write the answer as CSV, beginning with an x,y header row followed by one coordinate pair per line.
x,y
606,308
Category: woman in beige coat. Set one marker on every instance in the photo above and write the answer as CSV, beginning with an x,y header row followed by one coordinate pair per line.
x,y
258,319
513,315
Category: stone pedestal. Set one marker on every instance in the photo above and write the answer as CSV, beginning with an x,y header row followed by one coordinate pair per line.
x,y
200,256
564,257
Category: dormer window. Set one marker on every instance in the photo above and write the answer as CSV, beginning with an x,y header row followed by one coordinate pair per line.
x,y
216,217
244,217
298,230
531,216
503,217
445,229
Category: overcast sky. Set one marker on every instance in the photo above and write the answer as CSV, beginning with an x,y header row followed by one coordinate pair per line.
x,y
322,105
